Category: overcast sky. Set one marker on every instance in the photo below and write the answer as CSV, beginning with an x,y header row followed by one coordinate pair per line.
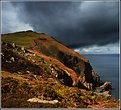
x,y
87,27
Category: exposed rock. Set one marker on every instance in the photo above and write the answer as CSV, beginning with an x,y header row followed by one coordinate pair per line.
x,y
42,101
12,59
35,76
26,54
34,55
105,87
83,69
19,72
27,71
13,44
22,48
1,54
106,94
33,61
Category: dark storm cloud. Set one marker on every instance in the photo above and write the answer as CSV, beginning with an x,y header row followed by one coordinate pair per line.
x,y
73,23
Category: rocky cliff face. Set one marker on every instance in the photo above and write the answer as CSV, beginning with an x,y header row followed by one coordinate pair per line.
x,y
81,72
38,59
79,64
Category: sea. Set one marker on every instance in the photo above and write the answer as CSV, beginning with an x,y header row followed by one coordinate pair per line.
x,y
107,66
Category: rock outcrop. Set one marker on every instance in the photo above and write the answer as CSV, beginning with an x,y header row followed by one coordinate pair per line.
x,y
107,86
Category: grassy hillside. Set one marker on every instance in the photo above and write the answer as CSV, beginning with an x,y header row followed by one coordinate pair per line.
x,y
30,39
35,65
48,46
25,39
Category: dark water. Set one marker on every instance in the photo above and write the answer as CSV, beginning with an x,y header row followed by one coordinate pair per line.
x,y
107,66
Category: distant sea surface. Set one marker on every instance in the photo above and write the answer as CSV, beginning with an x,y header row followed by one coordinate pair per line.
x,y
107,67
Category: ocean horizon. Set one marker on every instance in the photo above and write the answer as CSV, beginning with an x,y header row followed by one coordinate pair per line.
x,y
107,67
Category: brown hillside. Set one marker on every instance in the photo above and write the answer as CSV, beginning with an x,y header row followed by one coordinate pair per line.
x,y
48,46
40,72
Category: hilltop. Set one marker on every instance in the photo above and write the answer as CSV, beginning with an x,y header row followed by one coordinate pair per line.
x,y
35,65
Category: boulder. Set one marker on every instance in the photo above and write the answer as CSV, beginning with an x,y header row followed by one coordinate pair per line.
x,y
105,87
42,101
105,94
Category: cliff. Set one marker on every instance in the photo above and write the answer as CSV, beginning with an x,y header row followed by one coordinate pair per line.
x,y
37,65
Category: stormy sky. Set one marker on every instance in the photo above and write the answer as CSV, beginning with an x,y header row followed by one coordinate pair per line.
x,y
87,26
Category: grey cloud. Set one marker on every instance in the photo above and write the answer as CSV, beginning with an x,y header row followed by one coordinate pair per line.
x,y
73,23
10,20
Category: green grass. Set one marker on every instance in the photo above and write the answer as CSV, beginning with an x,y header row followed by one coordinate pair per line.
x,y
2,72
25,39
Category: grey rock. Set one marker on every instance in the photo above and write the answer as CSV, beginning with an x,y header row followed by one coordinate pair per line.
x,y
105,87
